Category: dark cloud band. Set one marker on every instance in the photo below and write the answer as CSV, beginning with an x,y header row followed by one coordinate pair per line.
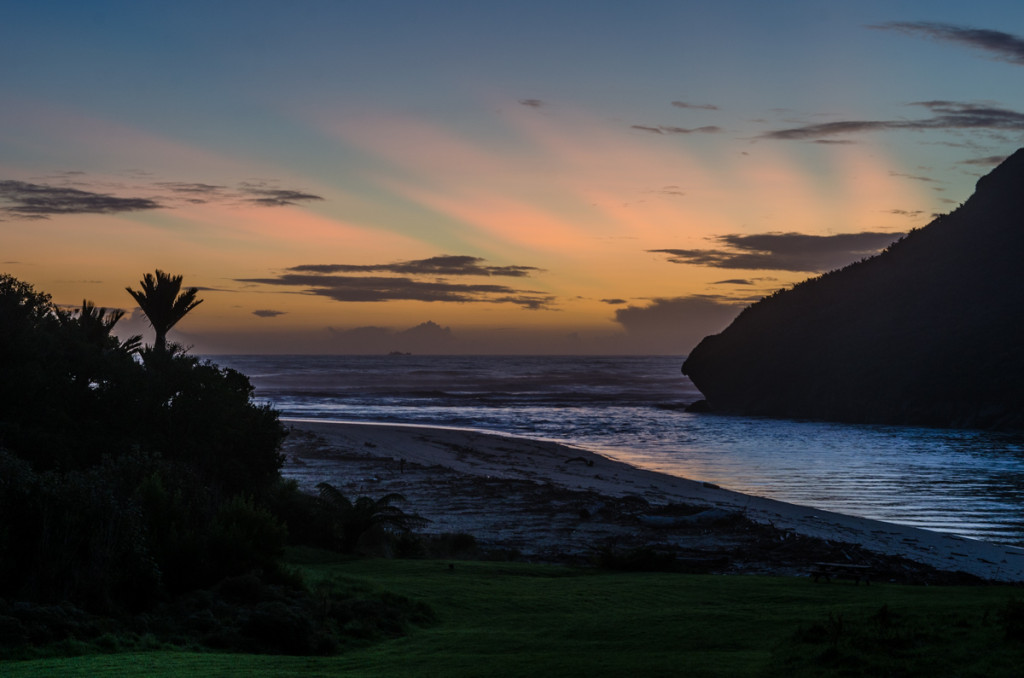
x,y
1003,46
416,280
276,197
446,264
373,288
784,251
41,201
947,115
28,200
703,107
664,129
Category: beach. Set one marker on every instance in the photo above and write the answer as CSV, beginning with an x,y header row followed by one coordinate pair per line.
x,y
551,502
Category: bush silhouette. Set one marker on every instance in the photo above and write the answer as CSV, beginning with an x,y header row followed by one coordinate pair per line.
x,y
125,472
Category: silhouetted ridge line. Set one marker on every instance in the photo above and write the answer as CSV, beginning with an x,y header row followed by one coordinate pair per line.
x,y
928,332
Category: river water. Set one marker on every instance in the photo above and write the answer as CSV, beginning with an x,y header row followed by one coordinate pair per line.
x,y
969,483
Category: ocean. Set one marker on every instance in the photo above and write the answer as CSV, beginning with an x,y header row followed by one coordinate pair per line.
x,y
965,482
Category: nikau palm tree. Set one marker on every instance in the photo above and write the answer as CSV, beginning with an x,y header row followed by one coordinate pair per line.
x,y
164,304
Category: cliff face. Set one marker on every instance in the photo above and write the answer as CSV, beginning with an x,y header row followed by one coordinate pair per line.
x,y
930,332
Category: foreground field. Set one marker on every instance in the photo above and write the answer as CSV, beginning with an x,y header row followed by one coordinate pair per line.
x,y
510,619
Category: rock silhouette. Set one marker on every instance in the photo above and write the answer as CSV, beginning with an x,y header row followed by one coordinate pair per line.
x,y
928,332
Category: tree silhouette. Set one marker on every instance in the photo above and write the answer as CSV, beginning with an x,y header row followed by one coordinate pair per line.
x,y
96,324
350,520
164,304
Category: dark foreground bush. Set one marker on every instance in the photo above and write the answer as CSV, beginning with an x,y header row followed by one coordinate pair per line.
x,y
240,614
902,642
248,615
125,473
143,484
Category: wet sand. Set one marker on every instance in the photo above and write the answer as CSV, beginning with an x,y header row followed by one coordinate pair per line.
x,y
551,502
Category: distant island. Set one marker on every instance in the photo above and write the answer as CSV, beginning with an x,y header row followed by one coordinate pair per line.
x,y
928,332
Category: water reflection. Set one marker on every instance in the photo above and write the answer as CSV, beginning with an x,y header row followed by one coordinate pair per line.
x,y
967,482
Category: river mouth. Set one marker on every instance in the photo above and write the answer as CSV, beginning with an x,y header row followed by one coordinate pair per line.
x,y
969,483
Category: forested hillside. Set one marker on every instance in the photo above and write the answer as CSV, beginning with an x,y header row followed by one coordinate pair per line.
x,y
928,332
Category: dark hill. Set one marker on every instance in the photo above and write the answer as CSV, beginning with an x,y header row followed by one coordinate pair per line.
x,y
931,331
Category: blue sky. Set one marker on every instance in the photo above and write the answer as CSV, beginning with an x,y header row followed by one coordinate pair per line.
x,y
534,177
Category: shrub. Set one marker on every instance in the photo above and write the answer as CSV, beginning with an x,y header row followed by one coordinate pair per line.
x,y
365,521
243,536
1011,616
124,473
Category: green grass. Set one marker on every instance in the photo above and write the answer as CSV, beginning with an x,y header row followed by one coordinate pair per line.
x,y
506,619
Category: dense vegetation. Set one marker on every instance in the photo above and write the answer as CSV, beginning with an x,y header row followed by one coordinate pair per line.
x,y
144,481
928,332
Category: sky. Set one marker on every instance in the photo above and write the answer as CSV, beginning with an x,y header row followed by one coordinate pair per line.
x,y
481,177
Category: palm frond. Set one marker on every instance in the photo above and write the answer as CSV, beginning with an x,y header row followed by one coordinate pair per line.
x,y
334,497
163,302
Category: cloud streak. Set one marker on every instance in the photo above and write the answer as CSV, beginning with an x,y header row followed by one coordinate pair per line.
x,y
987,161
192,188
26,200
275,197
784,251
915,177
1002,46
703,107
947,115
376,288
445,264
665,129
31,200
335,282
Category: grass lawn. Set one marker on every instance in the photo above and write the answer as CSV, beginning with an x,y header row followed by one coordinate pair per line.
x,y
510,619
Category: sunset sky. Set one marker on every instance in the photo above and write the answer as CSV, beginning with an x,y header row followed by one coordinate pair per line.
x,y
484,177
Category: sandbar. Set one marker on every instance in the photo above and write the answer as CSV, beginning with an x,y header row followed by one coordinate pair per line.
x,y
546,499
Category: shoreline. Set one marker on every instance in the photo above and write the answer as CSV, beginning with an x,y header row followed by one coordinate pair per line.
x,y
464,481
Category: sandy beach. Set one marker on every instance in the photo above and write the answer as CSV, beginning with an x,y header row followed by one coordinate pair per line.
x,y
551,502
